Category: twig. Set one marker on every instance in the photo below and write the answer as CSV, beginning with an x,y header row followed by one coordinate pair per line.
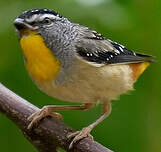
x,y
49,134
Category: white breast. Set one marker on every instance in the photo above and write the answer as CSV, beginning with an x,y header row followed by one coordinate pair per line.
x,y
89,84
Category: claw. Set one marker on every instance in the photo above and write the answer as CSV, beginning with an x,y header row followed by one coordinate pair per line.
x,y
32,116
37,116
72,134
78,135
56,115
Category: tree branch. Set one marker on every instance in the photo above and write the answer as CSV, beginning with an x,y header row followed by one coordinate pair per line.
x,y
49,133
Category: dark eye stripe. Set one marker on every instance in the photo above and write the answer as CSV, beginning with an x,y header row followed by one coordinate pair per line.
x,y
33,23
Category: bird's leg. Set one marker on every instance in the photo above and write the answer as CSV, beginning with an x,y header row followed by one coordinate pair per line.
x,y
86,131
48,111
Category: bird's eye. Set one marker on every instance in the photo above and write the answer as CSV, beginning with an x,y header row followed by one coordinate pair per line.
x,y
47,20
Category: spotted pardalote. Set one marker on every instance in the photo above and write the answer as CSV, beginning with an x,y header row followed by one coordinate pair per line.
x,y
73,63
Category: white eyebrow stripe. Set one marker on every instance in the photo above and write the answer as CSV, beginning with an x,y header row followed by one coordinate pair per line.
x,y
49,16
40,17
32,18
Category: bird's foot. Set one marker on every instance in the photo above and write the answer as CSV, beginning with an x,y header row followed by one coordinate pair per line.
x,y
78,135
37,116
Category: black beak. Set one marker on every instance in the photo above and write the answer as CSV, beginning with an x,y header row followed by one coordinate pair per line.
x,y
20,24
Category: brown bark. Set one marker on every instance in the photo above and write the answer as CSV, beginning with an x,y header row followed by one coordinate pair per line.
x,y
49,134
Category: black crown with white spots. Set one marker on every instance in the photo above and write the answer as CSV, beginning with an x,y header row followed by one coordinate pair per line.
x,y
41,11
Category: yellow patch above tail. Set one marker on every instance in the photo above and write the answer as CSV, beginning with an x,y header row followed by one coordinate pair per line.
x,y
138,69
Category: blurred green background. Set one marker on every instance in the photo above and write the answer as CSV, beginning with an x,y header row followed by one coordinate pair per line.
x,y
135,122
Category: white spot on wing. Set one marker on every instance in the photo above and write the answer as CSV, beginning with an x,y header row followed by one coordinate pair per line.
x,y
109,40
121,49
117,51
122,46
45,9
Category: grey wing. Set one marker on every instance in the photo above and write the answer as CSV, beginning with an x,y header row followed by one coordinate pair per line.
x,y
96,49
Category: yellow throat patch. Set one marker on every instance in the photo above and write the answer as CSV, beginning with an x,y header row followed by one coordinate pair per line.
x,y
42,65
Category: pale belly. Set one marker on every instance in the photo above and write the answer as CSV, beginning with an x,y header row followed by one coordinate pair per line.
x,y
88,84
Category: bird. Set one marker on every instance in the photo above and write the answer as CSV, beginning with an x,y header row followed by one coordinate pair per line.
x,y
74,63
